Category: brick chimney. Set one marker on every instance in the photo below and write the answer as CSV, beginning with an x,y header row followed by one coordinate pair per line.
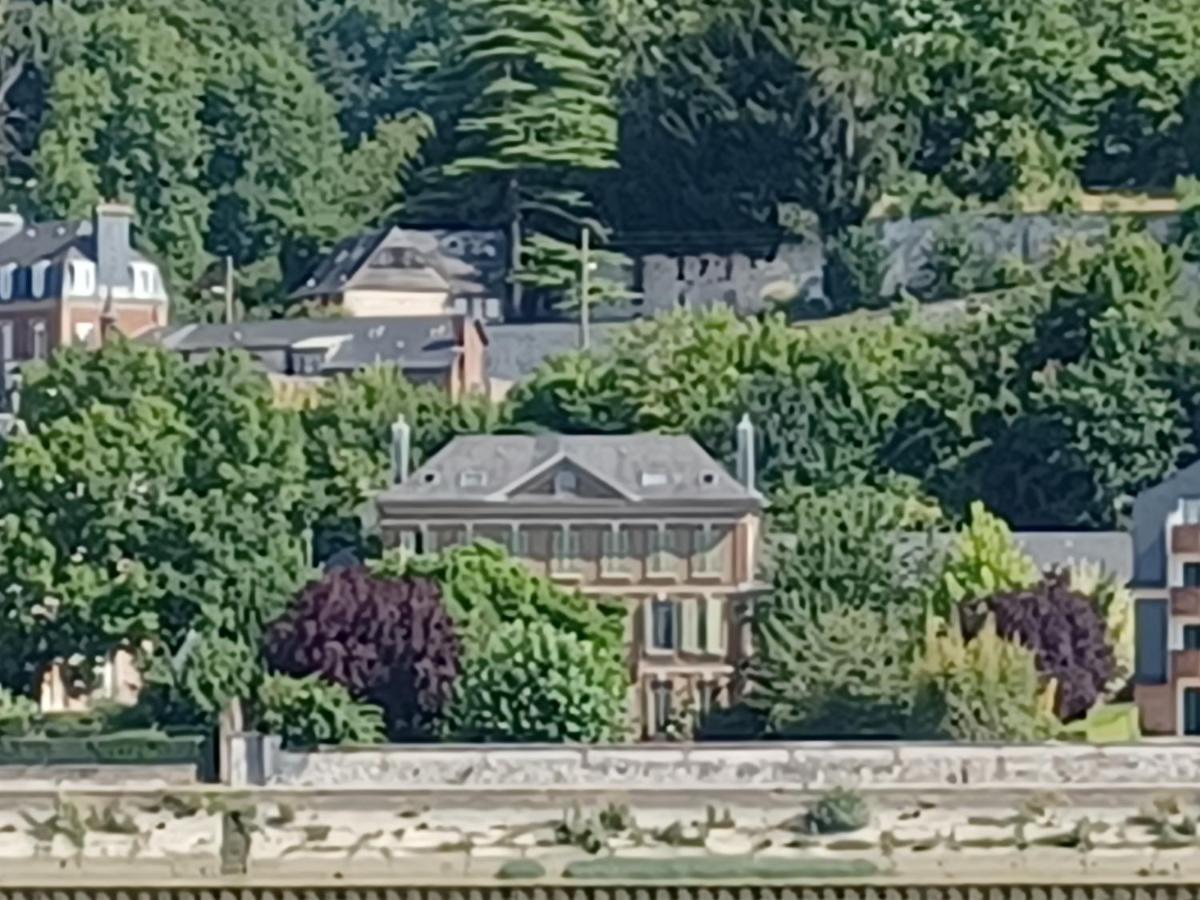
x,y
113,224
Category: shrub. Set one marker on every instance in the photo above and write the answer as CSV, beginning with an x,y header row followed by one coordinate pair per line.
x,y
838,811
985,560
985,689
17,713
838,672
1067,635
1115,604
716,868
307,712
521,870
534,682
483,587
387,641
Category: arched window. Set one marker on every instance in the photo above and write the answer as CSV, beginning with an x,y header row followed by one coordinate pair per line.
x,y
39,277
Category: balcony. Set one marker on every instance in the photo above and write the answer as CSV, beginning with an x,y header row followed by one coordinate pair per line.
x,y
1185,664
1185,539
1185,601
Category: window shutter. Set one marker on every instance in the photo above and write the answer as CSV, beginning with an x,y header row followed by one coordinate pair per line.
x,y
648,623
689,641
714,641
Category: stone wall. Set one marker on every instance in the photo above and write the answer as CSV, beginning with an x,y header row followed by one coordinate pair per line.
x,y
316,837
768,766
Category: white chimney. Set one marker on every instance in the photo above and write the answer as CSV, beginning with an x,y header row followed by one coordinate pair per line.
x,y
746,452
401,450
11,224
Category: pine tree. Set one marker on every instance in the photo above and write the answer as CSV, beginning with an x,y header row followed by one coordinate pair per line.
x,y
534,113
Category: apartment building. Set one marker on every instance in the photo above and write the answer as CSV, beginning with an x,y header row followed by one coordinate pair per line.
x,y
1166,585
651,519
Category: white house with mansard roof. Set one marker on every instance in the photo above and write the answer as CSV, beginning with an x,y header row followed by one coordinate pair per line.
x,y
652,519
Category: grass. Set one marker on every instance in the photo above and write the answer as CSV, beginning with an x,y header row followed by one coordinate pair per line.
x,y
1115,723
521,870
716,868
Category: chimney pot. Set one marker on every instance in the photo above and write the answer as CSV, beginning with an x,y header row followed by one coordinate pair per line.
x,y
746,453
401,450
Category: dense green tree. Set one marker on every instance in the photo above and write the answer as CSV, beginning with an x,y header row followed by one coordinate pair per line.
x,y
984,690
528,93
308,712
154,506
348,435
847,672
484,588
529,681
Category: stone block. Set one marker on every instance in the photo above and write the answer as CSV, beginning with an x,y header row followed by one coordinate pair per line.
x,y
430,838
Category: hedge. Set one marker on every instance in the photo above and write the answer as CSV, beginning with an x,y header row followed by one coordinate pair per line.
x,y
128,747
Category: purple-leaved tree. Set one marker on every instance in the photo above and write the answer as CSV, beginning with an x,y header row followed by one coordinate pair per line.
x,y
1066,633
388,641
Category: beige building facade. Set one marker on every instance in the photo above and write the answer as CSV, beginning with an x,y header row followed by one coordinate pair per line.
x,y
650,520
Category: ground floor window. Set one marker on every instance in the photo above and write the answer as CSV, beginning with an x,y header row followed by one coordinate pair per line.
x,y
661,696
663,624
1191,711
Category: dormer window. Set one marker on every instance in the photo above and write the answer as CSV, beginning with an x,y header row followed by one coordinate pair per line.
x,y
472,478
39,277
398,258
83,278
307,362
1191,510
565,482
143,280
7,278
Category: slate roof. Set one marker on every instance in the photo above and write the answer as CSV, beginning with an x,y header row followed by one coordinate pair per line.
x,y
54,240
354,343
643,467
466,263
336,268
1112,550
517,349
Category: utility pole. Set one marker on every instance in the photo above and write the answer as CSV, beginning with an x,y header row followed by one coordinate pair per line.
x,y
228,290
584,266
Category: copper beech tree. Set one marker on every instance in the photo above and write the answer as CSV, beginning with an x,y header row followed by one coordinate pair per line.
x,y
390,642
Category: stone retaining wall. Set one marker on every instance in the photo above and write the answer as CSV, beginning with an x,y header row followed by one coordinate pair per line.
x,y
809,766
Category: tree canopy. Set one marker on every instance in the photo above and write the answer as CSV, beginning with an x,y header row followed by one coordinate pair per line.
x,y
680,125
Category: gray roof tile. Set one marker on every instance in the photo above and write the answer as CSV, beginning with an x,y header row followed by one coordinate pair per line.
x,y
642,467
517,349
411,343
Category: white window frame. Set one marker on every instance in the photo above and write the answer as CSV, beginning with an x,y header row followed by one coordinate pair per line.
x,y
518,542
8,280
38,285
706,556
662,552
7,347
83,278
660,718
616,553
39,340
566,552
650,608
716,626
